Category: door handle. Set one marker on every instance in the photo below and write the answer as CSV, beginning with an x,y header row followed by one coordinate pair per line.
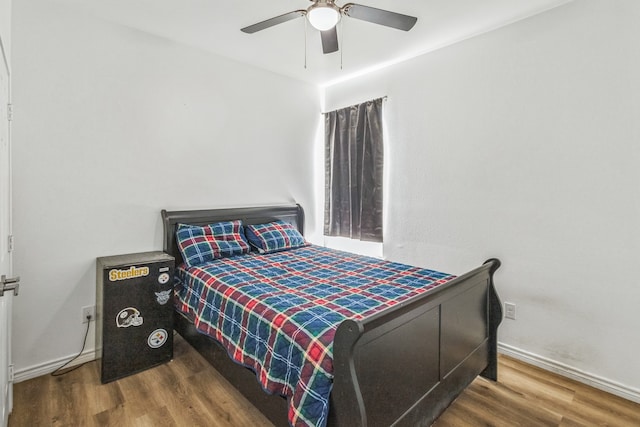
x,y
9,284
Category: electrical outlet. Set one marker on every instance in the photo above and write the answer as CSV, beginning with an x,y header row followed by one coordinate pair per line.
x,y
510,310
89,310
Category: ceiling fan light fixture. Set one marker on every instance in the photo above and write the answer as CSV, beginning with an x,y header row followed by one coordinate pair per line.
x,y
323,16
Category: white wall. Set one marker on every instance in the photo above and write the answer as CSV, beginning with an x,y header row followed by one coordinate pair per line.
x,y
523,144
112,125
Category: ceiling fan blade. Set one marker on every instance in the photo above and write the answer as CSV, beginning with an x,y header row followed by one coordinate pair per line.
x,y
379,16
329,40
273,21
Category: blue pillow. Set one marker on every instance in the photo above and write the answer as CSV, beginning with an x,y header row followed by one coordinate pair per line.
x,y
200,244
274,236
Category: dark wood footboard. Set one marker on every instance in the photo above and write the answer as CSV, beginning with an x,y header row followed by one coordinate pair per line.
x,y
407,364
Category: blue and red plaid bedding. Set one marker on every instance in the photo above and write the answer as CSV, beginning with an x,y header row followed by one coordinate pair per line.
x,y
278,313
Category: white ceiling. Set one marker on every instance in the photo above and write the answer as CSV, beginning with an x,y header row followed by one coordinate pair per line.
x,y
214,25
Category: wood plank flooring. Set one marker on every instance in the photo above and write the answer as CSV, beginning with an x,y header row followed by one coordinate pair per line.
x,y
188,392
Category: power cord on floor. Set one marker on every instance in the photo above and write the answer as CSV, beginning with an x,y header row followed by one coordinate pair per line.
x,y
58,372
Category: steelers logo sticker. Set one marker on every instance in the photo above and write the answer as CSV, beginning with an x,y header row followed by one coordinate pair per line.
x,y
163,278
157,338
163,297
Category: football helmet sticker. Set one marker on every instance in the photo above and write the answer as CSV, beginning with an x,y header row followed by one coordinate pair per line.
x,y
129,316
163,296
157,338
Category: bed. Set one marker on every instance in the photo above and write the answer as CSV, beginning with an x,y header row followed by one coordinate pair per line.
x,y
402,365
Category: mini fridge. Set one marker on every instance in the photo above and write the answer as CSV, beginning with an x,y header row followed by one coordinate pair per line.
x,y
134,313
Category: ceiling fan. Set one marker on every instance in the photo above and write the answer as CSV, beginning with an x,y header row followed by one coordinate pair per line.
x,y
325,14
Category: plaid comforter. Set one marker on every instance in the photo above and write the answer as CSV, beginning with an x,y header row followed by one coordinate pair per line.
x,y
278,313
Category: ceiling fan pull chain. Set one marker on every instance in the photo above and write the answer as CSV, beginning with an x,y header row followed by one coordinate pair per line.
x,y
305,43
341,43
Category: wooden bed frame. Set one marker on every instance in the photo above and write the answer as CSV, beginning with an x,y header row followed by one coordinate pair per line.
x,y
403,366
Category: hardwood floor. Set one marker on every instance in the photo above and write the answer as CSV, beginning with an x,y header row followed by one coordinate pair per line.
x,y
188,392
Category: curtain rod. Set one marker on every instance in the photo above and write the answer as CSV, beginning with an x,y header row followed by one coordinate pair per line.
x,y
384,98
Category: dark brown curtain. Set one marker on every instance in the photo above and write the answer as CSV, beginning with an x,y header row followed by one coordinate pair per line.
x,y
353,172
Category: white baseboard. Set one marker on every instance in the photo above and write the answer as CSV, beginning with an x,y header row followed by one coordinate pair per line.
x,y
48,367
592,380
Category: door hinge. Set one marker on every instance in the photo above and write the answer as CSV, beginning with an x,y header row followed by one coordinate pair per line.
x,y
9,112
9,284
10,243
11,373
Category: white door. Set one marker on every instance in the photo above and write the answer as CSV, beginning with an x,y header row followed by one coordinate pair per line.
x,y
6,300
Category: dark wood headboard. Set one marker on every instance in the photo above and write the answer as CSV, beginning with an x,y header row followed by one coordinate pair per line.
x,y
293,214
